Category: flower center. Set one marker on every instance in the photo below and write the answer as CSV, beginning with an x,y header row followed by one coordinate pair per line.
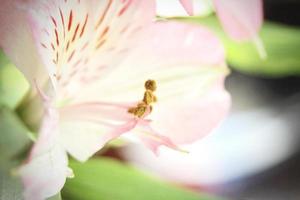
x,y
148,99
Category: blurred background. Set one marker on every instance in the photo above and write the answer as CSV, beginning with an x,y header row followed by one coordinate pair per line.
x,y
281,96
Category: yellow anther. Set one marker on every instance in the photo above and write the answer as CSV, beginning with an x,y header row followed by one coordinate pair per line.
x,y
148,99
150,85
139,110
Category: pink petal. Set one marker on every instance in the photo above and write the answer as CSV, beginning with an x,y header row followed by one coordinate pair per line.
x,y
81,41
187,62
86,128
188,6
17,42
192,119
151,138
45,172
240,19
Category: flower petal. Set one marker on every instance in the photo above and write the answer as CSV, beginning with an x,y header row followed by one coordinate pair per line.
x,y
17,42
188,6
187,62
44,174
151,138
240,19
79,41
86,128
192,119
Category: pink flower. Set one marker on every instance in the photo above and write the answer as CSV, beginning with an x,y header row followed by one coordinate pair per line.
x,y
113,70
241,19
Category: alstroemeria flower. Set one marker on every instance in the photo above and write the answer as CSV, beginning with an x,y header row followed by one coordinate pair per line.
x,y
241,19
113,70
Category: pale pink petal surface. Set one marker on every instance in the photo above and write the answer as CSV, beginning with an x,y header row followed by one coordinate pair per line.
x,y
188,6
80,41
86,128
17,41
46,169
241,19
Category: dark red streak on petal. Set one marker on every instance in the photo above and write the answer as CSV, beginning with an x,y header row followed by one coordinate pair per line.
x,y
100,44
104,32
125,7
71,56
84,25
104,14
68,44
70,20
54,21
43,45
52,45
75,32
56,35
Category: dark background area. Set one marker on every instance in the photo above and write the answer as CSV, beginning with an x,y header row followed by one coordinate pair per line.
x,y
282,182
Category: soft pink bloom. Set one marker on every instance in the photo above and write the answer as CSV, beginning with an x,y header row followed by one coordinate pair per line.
x,y
98,55
241,19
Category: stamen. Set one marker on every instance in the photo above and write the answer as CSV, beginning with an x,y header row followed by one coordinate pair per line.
x,y
139,110
150,85
149,98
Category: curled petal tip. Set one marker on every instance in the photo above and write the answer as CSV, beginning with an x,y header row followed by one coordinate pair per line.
x,y
188,6
240,19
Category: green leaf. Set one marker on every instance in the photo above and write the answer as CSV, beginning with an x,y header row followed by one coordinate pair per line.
x,y
13,137
282,44
13,85
107,179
